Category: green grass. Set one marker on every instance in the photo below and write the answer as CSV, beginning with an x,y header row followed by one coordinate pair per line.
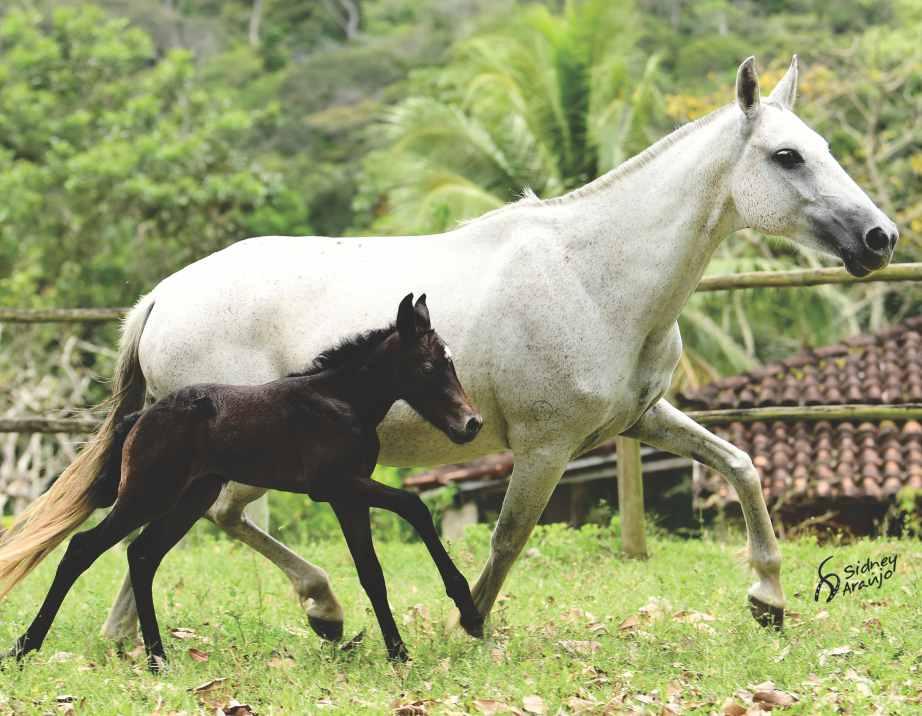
x,y
555,634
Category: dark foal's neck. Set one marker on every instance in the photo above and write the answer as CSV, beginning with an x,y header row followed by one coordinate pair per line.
x,y
369,384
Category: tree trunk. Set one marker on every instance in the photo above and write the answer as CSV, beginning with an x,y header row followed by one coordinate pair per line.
x,y
255,20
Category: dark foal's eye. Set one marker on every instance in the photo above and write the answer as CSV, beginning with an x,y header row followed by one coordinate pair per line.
x,y
427,367
788,158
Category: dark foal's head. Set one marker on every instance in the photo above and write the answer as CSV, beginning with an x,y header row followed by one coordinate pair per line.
x,y
427,378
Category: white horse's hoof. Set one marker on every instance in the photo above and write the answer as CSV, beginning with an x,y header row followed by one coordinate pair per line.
x,y
766,615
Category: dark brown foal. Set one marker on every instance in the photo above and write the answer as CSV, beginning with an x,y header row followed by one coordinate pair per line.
x,y
312,432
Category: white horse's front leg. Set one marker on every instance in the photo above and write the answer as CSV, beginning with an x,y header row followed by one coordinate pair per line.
x,y
311,583
667,428
534,477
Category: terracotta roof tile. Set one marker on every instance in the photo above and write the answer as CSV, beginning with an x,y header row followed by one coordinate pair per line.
x,y
882,368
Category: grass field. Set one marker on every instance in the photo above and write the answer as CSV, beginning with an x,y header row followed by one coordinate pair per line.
x,y
577,630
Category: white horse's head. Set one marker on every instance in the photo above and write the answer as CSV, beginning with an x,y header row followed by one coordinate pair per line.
x,y
787,183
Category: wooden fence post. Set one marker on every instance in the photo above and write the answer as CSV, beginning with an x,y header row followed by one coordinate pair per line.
x,y
630,498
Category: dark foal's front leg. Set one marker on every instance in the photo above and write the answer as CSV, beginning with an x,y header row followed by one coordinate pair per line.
x,y
411,508
147,552
82,550
355,521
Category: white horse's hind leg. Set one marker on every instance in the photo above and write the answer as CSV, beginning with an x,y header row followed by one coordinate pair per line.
x,y
534,477
311,583
122,623
667,428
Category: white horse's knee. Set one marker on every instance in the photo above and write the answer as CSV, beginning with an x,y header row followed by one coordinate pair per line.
x,y
226,514
743,474
227,510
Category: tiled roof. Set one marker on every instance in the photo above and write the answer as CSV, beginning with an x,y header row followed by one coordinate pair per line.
x,y
804,461
882,368
483,468
489,467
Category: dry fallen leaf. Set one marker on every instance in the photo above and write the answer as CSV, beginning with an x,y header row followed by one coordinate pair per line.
x,y
837,651
773,698
208,685
578,705
534,705
488,707
416,708
690,616
235,708
781,654
579,648
731,708
198,654
182,633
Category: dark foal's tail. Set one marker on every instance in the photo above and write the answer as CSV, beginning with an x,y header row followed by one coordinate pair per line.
x,y
87,483
104,489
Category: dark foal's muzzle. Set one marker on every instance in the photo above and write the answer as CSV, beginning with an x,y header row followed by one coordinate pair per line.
x,y
467,430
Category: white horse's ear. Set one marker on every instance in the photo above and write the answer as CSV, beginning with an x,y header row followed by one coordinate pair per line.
x,y
785,92
747,88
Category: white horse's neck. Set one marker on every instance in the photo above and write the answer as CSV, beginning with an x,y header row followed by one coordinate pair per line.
x,y
645,231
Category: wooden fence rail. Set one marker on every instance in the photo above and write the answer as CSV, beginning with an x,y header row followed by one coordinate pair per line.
x,y
630,487
757,279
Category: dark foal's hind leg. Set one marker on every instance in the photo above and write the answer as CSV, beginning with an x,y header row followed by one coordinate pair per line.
x,y
411,508
355,521
82,550
149,549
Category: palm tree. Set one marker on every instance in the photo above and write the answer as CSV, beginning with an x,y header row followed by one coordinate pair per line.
x,y
548,102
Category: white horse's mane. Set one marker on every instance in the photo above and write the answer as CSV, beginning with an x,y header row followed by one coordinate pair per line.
x,y
627,167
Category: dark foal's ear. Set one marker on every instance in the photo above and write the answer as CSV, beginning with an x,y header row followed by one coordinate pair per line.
x,y
422,315
406,321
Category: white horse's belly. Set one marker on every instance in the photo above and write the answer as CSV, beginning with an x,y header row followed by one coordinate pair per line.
x,y
247,316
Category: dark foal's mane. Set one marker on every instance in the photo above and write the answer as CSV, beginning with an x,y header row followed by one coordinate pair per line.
x,y
347,351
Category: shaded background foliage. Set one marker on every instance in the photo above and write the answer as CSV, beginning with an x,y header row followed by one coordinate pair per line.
x,y
139,135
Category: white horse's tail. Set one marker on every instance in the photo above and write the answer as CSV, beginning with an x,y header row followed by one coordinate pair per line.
x,y
46,522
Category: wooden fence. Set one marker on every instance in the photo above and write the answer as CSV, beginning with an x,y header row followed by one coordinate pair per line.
x,y
630,474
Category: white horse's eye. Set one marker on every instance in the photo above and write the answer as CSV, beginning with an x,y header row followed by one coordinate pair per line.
x,y
788,158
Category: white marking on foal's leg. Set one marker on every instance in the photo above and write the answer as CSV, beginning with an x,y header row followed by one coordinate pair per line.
x,y
311,584
667,428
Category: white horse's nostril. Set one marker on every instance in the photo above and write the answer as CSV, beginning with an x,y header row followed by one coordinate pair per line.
x,y
877,240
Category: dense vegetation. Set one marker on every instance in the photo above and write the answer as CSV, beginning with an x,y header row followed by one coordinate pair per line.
x,y
138,135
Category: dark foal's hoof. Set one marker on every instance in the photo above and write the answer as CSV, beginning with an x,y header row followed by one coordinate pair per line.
x,y
157,664
473,626
766,614
326,629
399,653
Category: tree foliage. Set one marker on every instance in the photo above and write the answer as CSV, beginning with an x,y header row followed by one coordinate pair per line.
x,y
547,101
116,165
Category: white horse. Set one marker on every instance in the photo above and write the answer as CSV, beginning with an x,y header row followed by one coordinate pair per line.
x,y
562,314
